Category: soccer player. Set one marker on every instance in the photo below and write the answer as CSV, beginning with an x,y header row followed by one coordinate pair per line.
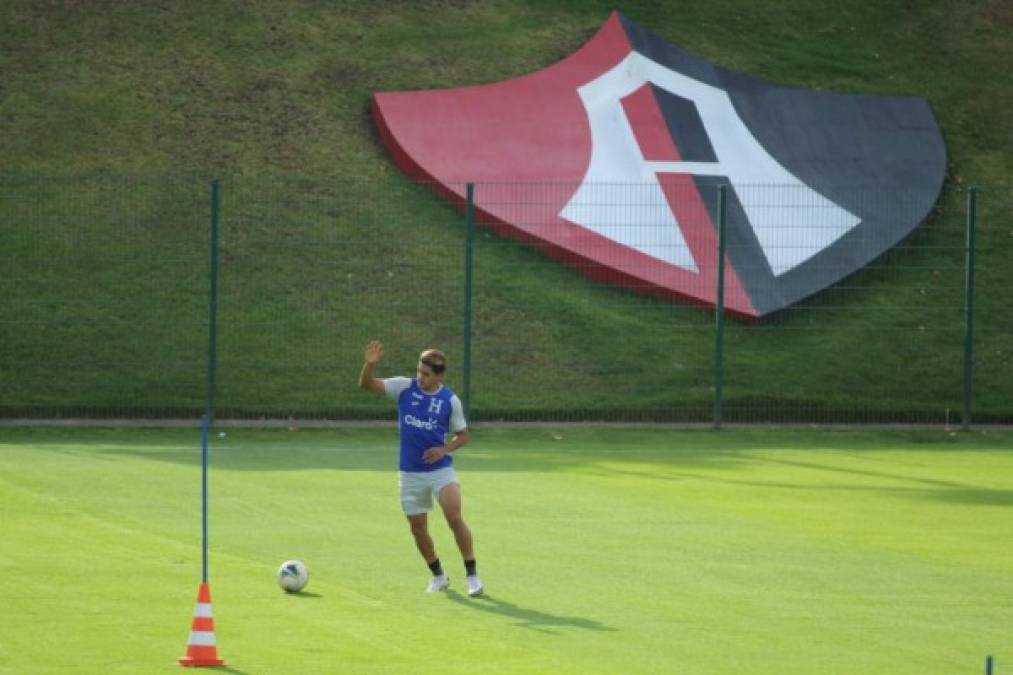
x,y
427,410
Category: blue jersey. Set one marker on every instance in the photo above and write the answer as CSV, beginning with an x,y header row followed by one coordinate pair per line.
x,y
423,421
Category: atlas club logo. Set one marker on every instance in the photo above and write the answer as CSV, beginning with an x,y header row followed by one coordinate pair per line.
x,y
610,162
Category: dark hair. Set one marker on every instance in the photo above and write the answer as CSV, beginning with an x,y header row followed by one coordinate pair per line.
x,y
434,359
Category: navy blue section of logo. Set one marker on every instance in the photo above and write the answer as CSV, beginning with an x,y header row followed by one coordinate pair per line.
x,y
881,158
685,126
741,246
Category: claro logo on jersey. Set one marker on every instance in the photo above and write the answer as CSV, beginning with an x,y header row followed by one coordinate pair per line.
x,y
428,424
611,160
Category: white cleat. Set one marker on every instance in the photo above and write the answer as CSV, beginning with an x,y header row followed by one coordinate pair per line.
x,y
475,587
438,583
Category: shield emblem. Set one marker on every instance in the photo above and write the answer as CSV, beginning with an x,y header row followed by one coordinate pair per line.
x,y
610,161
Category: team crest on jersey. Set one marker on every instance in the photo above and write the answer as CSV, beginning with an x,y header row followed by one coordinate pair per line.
x,y
611,159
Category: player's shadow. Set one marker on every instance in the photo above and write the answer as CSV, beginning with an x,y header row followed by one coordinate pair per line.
x,y
526,618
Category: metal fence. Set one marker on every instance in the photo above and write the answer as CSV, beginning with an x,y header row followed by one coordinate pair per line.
x,y
107,308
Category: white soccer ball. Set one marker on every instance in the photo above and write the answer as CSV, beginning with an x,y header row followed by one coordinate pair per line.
x,y
293,575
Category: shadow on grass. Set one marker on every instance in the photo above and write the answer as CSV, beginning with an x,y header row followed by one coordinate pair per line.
x,y
526,618
931,488
863,473
377,450
660,454
976,497
901,485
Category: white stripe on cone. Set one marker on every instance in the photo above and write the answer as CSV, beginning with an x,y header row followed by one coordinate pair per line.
x,y
202,638
203,609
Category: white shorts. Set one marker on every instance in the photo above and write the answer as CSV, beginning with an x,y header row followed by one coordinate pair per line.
x,y
419,489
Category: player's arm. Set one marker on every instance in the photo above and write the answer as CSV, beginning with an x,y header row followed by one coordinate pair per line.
x,y
372,354
460,438
433,455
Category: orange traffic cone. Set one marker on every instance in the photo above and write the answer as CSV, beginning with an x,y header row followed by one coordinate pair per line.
x,y
201,649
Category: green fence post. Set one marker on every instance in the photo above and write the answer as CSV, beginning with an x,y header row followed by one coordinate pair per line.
x,y
469,247
972,215
719,312
213,300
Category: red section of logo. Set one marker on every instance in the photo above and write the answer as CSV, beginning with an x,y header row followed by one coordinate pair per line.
x,y
682,194
649,128
526,143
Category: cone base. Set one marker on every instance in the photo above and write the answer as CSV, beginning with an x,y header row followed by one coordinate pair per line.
x,y
190,662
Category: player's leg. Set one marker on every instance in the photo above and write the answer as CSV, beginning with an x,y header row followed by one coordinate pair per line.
x,y
450,502
420,533
417,502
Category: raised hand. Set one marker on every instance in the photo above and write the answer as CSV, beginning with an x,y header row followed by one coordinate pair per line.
x,y
373,351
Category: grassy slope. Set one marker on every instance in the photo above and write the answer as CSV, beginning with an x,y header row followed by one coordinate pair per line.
x,y
752,552
279,89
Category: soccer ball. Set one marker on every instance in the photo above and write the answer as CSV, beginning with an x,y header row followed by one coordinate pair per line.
x,y
293,575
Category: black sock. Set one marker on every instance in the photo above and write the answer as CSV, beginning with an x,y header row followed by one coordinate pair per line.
x,y
469,567
436,567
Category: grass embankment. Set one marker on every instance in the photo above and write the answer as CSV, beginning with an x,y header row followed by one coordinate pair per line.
x,y
325,244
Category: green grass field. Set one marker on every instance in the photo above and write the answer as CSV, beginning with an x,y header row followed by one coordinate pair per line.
x,y
603,551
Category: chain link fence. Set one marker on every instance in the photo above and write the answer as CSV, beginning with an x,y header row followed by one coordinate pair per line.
x,y
106,311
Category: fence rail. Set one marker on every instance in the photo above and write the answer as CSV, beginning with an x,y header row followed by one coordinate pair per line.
x,y
107,308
